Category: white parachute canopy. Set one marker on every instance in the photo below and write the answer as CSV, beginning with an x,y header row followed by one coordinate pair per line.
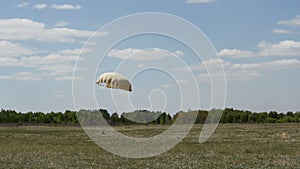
x,y
114,80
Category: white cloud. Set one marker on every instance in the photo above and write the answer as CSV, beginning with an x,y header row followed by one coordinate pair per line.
x,y
123,53
22,5
178,53
73,51
271,65
58,65
65,7
52,59
21,76
252,70
211,64
281,31
200,1
61,24
60,57
282,48
205,77
292,22
61,78
236,53
8,49
10,61
58,7
40,6
50,65
239,71
57,69
142,54
25,29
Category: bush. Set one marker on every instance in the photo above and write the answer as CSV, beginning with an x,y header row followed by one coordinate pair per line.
x,y
270,120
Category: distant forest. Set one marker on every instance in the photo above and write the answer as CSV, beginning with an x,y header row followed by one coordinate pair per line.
x,y
92,117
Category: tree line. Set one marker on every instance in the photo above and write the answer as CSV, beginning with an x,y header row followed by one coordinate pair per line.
x,y
95,117
11,116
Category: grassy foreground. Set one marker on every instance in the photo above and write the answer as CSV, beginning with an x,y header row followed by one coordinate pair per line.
x,y
232,146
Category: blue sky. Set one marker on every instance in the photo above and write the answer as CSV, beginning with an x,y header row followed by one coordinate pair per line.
x,y
258,43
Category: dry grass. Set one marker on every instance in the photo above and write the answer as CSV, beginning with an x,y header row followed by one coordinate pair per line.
x,y
232,146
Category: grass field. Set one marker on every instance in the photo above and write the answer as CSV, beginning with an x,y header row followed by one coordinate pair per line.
x,y
232,146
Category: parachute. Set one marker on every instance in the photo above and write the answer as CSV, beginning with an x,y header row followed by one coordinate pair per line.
x,y
114,80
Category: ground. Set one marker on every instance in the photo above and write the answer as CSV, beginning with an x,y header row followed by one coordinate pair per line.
x,y
231,146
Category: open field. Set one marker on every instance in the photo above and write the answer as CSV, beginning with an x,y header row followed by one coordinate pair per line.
x,y
232,146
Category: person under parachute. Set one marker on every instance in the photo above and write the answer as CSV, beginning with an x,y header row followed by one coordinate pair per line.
x,y
115,81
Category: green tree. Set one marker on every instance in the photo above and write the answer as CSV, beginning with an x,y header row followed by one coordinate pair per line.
x,y
273,114
114,119
162,119
262,117
270,120
168,119
291,114
244,117
105,114
201,117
